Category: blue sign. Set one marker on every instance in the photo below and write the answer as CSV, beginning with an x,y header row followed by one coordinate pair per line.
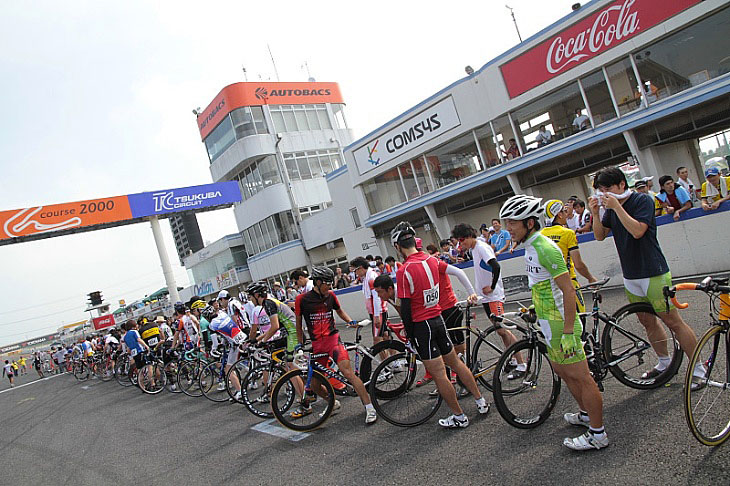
x,y
184,199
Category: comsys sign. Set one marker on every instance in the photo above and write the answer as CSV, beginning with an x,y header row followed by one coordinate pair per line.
x,y
253,94
612,25
426,125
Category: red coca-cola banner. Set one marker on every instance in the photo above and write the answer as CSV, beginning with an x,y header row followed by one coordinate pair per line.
x,y
607,28
103,322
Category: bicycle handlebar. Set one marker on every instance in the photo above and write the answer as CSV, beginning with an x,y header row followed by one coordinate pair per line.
x,y
595,286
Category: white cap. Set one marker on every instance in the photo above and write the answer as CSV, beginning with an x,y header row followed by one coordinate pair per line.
x,y
223,294
491,228
647,179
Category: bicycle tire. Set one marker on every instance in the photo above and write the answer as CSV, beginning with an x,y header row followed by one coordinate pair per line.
x,y
490,344
410,406
707,430
208,381
279,400
171,372
366,365
82,372
624,345
258,400
144,375
521,406
106,373
187,378
121,371
239,369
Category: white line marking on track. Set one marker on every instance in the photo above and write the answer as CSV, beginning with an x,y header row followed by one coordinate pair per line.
x,y
32,383
268,427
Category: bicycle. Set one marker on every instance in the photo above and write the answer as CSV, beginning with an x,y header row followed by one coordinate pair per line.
x,y
81,370
257,385
188,372
151,378
214,372
706,399
619,350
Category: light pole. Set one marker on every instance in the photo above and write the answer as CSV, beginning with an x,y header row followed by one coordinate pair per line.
x,y
512,11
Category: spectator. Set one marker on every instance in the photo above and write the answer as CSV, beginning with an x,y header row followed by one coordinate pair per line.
x,y
716,190
454,252
544,137
512,151
585,223
291,293
446,251
572,219
500,240
392,265
484,233
684,181
433,251
301,281
342,281
370,260
641,186
673,200
581,121
279,292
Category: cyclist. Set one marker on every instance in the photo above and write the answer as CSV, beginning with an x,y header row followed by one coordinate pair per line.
x,y
196,307
111,345
221,323
38,364
555,214
376,308
234,308
417,282
187,331
149,332
553,296
630,217
8,371
316,308
135,343
489,284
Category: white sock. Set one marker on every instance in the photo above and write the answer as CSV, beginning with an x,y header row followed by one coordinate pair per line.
x,y
369,407
663,363
700,370
481,401
460,417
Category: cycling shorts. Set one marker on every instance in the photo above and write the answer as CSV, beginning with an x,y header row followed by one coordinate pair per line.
x,y
233,354
452,318
496,308
139,360
553,332
332,346
430,338
580,303
379,331
649,290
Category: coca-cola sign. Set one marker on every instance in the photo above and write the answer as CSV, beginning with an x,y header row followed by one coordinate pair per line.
x,y
605,29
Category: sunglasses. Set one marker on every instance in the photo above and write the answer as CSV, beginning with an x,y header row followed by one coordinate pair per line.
x,y
460,240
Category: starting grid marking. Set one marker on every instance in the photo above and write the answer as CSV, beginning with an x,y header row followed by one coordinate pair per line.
x,y
269,427
32,382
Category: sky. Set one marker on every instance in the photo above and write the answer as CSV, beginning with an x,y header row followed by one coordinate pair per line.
x,y
98,99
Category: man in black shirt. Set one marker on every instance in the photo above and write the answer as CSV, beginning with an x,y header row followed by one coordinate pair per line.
x,y
630,217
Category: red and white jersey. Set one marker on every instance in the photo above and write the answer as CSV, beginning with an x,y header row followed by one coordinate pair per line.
x,y
238,313
447,299
373,304
188,329
418,280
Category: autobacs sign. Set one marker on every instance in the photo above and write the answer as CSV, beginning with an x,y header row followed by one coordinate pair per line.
x,y
603,30
413,132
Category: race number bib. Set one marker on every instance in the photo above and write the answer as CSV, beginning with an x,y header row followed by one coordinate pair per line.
x,y
239,338
133,353
154,341
430,297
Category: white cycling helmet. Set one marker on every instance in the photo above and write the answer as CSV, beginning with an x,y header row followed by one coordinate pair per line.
x,y
521,206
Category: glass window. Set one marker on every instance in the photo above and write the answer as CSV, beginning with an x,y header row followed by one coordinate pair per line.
x,y
424,182
686,58
409,181
289,118
272,231
486,142
624,85
250,181
338,110
242,185
454,161
355,217
598,97
312,118
292,227
301,118
503,132
383,192
259,120
324,120
291,167
304,171
314,166
269,171
220,139
243,122
256,175
278,117
560,112
325,162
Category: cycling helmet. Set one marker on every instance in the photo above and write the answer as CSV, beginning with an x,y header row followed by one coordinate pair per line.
x,y
209,313
324,274
552,208
401,231
179,307
260,287
198,304
521,207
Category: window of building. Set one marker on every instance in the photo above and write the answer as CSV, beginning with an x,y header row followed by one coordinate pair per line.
x,y
409,180
503,133
220,139
624,85
425,184
258,176
557,112
298,118
599,99
248,120
338,110
355,218
315,163
686,58
454,161
269,171
383,192
488,146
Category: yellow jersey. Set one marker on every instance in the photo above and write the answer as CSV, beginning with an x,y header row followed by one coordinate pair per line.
x,y
566,240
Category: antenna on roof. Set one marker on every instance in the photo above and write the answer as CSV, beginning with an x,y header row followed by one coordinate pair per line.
x,y
245,74
273,62
309,75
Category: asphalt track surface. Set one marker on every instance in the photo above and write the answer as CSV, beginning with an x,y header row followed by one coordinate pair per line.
x,y
60,431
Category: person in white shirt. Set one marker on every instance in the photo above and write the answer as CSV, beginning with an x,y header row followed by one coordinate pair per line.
x,y
581,121
572,219
488,284
544,136
684,181
302,282
376,308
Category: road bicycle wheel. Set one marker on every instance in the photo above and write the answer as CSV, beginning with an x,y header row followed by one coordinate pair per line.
x,y
105,371
187,378
488,347
152,378
527,401
257,386
367,365
707,408
395,397
212,382
235,376
171,372
81,371
629,352
308,411
121,371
